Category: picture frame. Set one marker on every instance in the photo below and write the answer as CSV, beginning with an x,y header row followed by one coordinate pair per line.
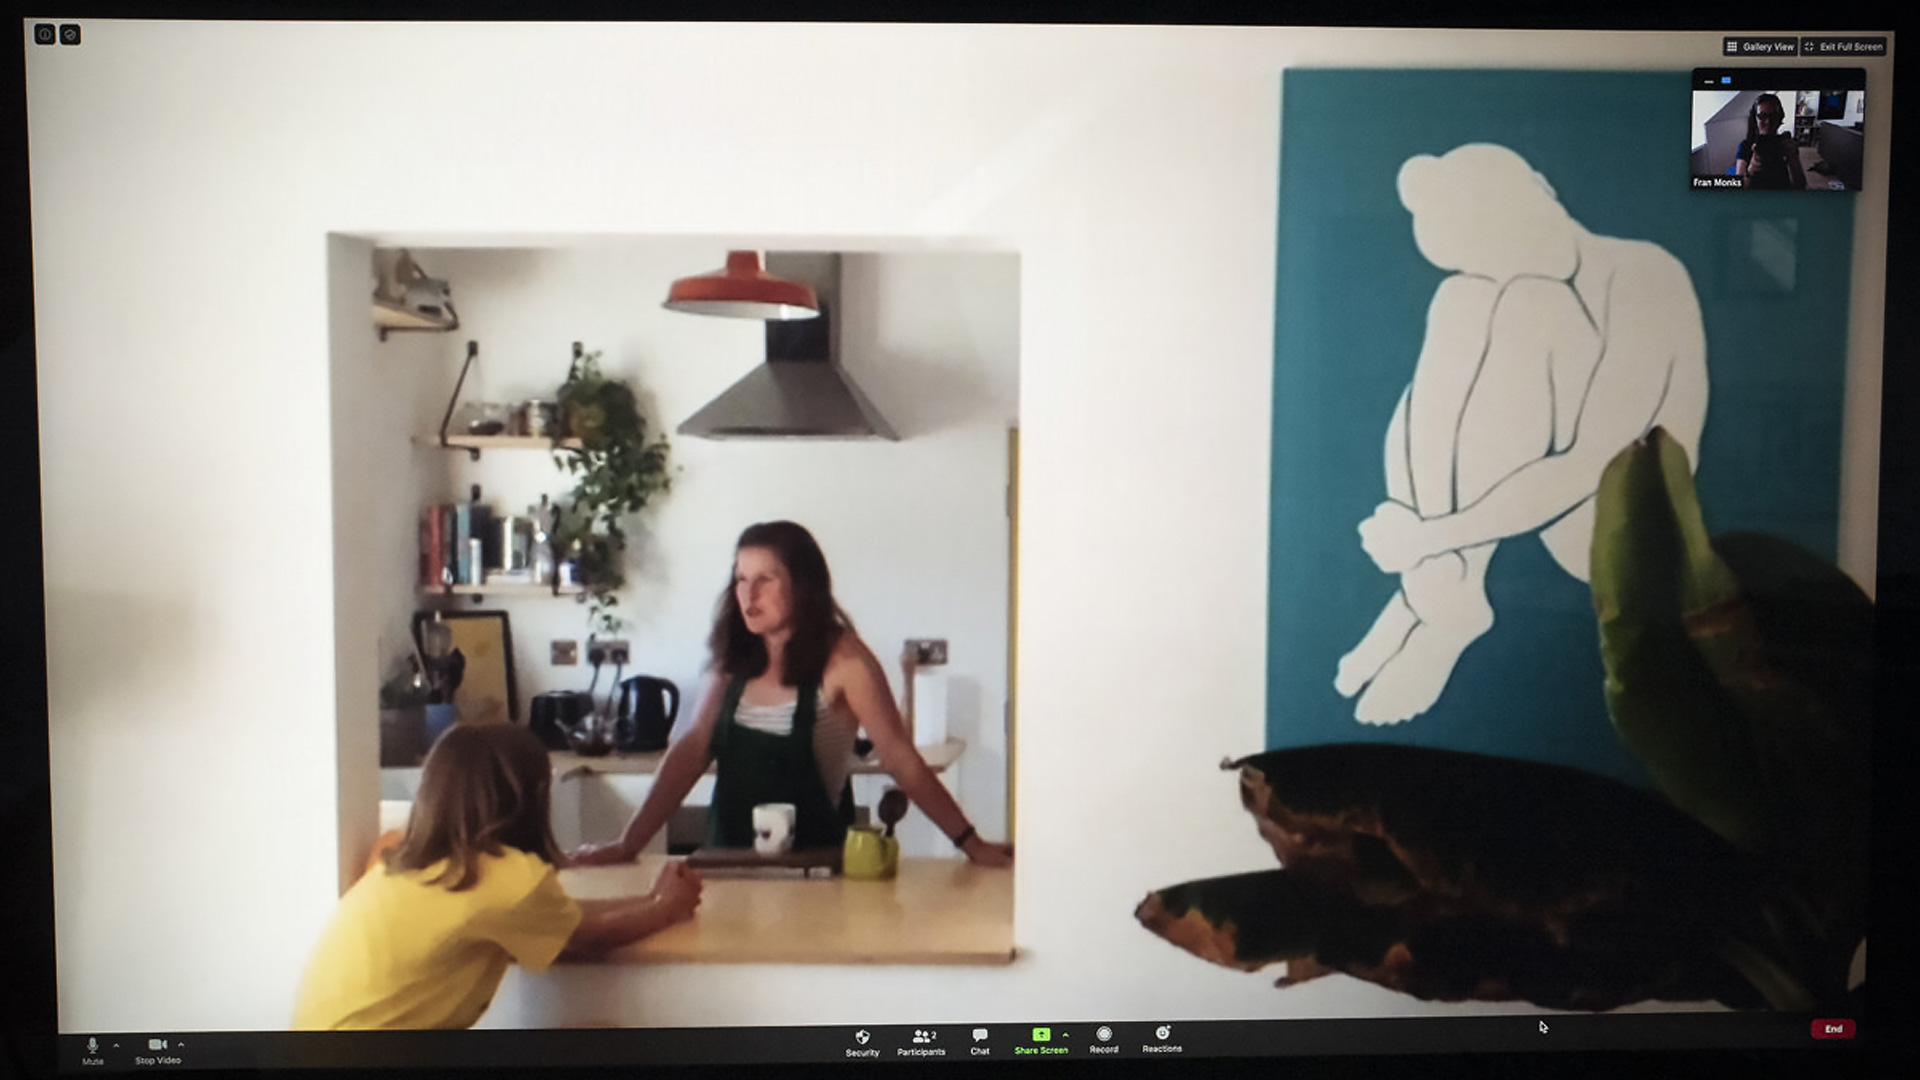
x,y
488,691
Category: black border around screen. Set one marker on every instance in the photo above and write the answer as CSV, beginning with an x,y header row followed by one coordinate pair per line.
x,y
27,962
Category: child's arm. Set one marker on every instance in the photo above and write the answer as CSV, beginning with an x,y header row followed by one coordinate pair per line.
x,y
606,925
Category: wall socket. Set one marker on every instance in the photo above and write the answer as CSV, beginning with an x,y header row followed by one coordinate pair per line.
x,y
566,653
608,651
927,651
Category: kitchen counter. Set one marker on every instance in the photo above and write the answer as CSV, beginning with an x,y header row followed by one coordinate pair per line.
x,y
937,911
568,764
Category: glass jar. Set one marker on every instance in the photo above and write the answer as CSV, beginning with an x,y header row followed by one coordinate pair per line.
x,y
539,418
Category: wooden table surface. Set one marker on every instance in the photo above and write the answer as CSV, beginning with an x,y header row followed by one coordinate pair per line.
x,y
938,911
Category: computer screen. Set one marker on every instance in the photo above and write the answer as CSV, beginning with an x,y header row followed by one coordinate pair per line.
x,y
613,544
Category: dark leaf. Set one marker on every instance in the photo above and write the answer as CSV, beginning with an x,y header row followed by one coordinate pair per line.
x,y
1455,876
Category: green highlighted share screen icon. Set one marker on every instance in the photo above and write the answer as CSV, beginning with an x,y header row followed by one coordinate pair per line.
x,y
1041,1034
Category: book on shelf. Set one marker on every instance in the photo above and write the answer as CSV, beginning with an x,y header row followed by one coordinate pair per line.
x,y
448,564
447,554
434,547
462,551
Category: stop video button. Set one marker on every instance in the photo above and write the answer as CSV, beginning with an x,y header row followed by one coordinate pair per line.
x,y
1833,1029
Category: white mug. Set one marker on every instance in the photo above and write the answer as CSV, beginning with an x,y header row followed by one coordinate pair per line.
x,y
773,828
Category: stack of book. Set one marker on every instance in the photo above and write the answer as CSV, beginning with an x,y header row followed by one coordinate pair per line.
x,y
458,541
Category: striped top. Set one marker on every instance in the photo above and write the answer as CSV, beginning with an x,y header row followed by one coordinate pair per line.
x,y
833,735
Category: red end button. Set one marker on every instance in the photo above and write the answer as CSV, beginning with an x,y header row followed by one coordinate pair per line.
x,y
1833,1029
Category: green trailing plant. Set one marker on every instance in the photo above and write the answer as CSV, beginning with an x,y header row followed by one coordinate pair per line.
x,y
616,471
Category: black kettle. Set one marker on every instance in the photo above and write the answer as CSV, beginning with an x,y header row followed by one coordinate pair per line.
x,y
648,706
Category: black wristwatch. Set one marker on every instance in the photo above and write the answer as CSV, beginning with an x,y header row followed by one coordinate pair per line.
x,y
966,834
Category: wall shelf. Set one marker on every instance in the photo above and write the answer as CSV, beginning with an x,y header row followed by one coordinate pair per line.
x,y
505,589
568,765
500,442
389,317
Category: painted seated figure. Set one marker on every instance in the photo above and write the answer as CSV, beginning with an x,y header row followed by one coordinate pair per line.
x,y
1547,351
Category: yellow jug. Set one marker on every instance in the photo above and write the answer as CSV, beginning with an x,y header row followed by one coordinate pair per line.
x,y
869,854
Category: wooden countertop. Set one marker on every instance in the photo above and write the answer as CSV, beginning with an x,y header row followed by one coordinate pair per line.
x,y
568,764
937,911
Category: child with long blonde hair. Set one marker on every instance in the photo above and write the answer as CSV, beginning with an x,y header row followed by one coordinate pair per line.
x,y
424,938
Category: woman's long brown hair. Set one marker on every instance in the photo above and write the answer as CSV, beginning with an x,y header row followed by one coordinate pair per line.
x,y
818,622
484,787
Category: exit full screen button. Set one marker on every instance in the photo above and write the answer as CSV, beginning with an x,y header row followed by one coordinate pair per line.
x,y
1833,1029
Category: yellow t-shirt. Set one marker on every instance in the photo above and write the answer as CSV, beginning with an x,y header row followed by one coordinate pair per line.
x,y
399,953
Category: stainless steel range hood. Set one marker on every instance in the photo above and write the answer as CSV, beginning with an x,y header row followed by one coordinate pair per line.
x,y
801,391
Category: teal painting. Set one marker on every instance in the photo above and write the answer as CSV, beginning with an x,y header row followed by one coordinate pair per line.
x,y
1488,283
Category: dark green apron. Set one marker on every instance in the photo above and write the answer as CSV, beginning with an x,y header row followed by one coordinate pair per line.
x,y
758,767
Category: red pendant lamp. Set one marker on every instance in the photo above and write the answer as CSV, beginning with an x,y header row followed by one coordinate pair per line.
x,y
744,290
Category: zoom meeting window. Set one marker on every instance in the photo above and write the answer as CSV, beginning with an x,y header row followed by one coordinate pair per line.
x,y
770,544
1778,129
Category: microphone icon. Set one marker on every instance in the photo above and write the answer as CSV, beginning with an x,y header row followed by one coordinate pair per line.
x,y
93,1045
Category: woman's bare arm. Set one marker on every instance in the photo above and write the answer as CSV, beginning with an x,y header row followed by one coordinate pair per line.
x,y
862,684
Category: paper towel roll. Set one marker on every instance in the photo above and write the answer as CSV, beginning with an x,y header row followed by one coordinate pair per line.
x,y
929,706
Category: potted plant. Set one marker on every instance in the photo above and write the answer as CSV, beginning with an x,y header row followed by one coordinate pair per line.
x,y
616,470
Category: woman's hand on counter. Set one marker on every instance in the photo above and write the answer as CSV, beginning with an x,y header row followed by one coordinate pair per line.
x,y
611,854
986,853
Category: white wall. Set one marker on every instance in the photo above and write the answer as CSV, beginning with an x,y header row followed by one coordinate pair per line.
x,y
1707,106
185,179
915,531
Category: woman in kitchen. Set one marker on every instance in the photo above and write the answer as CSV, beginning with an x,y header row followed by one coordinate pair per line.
x,y
789,685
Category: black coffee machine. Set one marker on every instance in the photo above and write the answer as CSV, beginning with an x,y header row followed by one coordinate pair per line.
x,y
648,706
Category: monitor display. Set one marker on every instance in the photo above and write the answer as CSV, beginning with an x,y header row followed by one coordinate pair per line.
x,y
613,544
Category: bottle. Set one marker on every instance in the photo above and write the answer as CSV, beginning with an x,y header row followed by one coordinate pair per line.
x,y
542,547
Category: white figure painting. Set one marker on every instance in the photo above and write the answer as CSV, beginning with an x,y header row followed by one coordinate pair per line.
x,y
1548,349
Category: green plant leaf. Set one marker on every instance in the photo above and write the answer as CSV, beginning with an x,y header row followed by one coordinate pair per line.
x,y
1739,672
617,474
1657,586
